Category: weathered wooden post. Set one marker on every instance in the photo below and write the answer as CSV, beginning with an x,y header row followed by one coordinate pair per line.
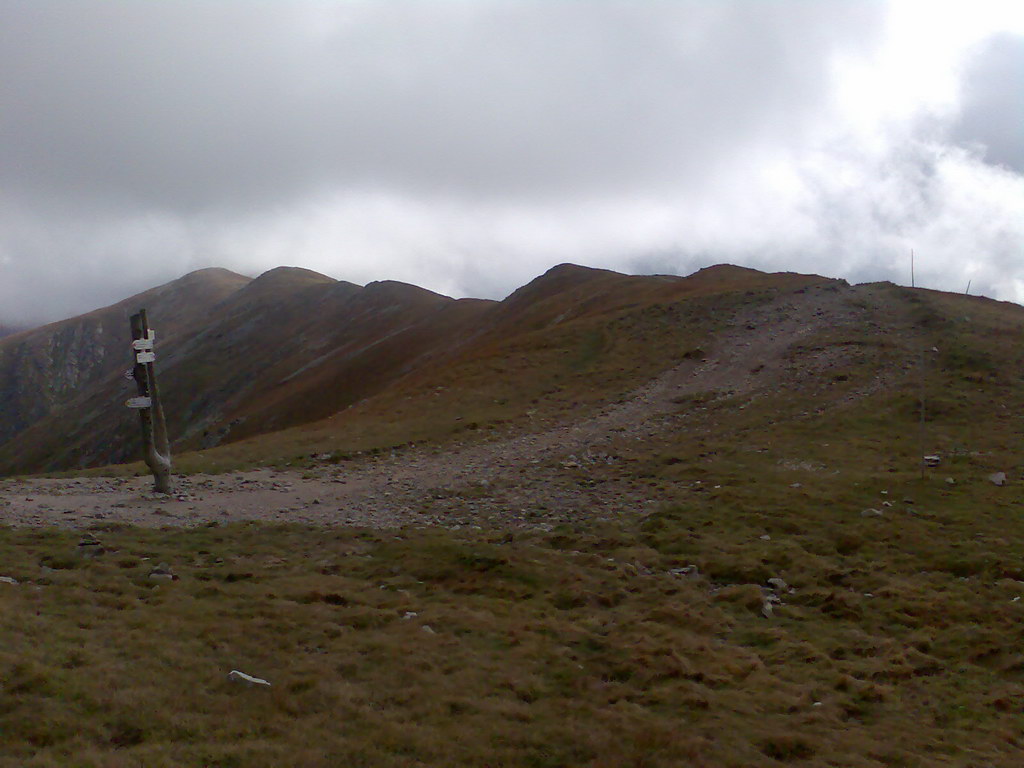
x,y
156,449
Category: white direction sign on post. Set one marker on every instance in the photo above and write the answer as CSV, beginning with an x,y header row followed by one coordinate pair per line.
x,y
139,402
145,344
144,348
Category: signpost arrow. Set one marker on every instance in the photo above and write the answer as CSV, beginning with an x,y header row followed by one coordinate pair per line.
x,y
146,343
139,402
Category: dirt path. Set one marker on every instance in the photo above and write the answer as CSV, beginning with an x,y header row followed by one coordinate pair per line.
x,y
529,480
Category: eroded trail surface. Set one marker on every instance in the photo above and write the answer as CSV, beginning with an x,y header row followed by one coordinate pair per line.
x,y
528,480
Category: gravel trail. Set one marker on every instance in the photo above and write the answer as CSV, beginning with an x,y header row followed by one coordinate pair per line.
x,y
531,480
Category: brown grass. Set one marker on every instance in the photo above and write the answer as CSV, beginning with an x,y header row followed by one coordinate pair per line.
x,y
586,645
578,647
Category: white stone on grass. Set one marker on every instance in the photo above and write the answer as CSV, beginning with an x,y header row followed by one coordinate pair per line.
x,y
240,677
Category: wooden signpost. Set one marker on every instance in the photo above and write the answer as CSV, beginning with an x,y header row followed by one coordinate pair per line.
x,y
156,449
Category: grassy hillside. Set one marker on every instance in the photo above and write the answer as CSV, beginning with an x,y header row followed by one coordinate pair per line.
x,y
786,586
555,351
896,639
46,371
288,348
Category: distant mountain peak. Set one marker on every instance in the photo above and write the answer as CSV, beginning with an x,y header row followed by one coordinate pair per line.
x,y
725,271
397,288
293,275
566,269
206,272
558,279
208,278
283,280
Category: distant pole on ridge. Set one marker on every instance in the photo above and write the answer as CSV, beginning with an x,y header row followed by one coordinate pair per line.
x,y
912,268
156,449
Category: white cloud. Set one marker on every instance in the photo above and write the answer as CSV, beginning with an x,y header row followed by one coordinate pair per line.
x,y
466,147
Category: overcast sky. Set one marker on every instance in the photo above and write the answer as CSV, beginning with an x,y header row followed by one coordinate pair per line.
x,y
468,146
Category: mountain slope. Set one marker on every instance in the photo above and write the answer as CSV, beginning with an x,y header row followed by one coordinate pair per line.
x,y
533,361
665,521
757,359
42,369
295,364
286,348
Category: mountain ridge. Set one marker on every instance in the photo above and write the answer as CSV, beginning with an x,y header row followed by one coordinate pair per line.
x,y
296,350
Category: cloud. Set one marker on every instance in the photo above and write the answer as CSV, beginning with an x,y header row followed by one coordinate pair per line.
x,y
188,106
993,110
468,146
